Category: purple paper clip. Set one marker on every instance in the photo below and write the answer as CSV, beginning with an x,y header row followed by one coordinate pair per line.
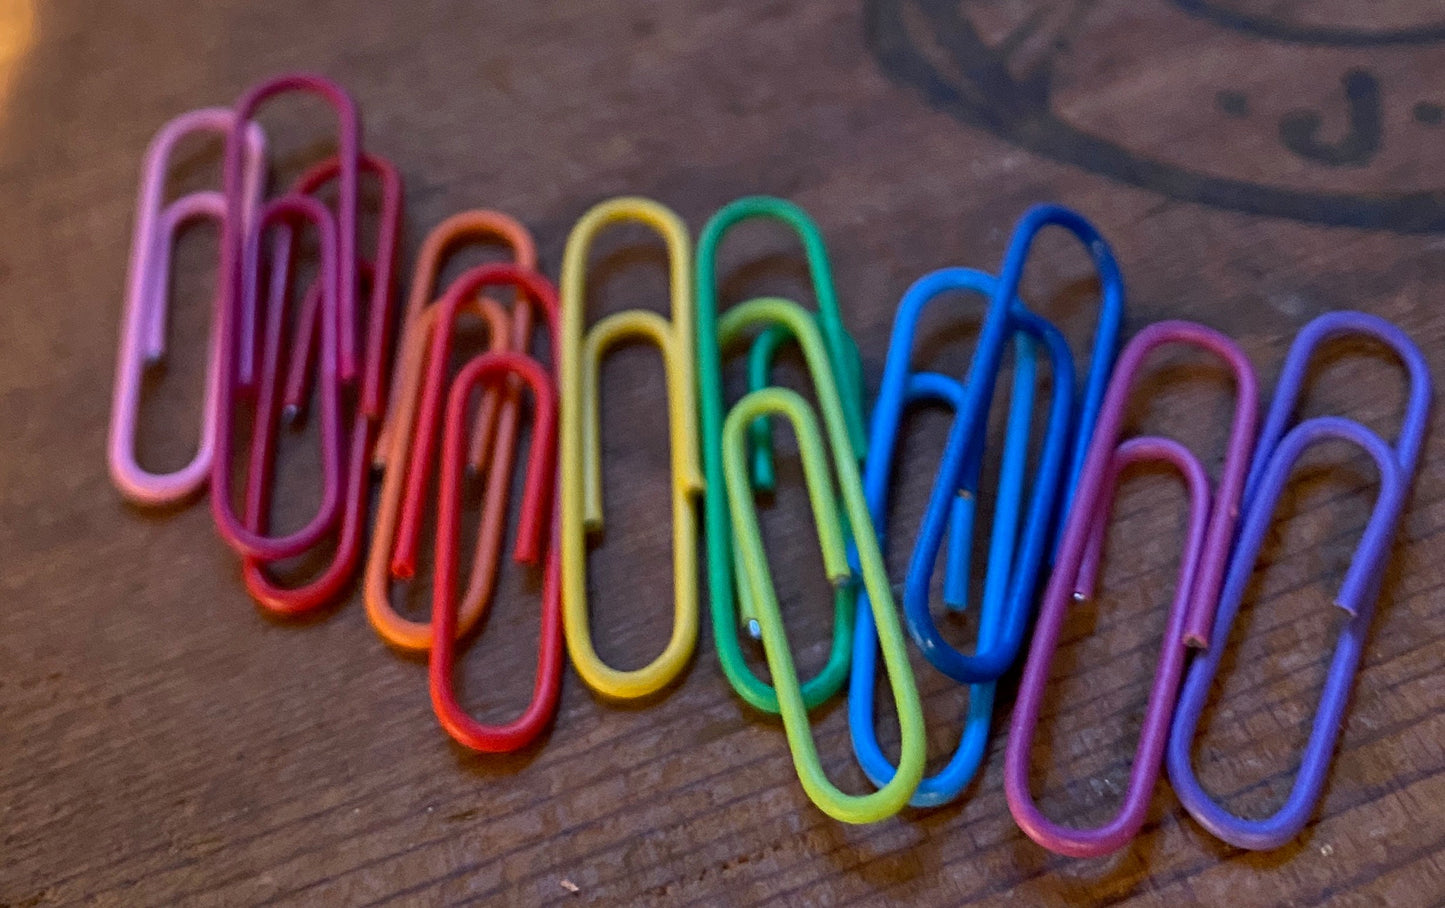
x,y
143,325
1275,456
1201,569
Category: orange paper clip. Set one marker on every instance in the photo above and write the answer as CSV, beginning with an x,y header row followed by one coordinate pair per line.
x,y
495,433
477,225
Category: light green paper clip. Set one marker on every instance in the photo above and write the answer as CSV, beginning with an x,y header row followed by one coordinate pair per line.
x,y
754,578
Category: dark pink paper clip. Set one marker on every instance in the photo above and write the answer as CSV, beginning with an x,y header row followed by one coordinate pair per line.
x,y
1210,534
323,353
242,316
246,535
378,274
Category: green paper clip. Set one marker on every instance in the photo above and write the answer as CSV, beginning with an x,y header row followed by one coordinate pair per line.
x,y
834,363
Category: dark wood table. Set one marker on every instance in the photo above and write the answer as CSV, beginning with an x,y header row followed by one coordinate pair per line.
x,y
1254,164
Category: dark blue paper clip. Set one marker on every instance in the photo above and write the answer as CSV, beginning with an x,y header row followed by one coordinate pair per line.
x,y
902,388
1007,316
1274,457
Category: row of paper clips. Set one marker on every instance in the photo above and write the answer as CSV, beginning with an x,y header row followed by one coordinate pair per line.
x,y
1045,544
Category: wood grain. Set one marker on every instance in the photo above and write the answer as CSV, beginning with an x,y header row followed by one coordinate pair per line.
x,y
163,743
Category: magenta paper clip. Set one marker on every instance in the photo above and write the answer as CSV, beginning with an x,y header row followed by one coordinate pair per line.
x,y
288,214
378,271
348,152
1275,456
245,318
1201,567
143,324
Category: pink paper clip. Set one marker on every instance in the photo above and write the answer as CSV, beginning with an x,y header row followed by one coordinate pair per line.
x,y
143,324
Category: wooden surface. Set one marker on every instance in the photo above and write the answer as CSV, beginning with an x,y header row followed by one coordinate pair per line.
x,y
1254,164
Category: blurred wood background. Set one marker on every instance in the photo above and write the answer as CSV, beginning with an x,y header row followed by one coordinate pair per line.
x,y
1254,164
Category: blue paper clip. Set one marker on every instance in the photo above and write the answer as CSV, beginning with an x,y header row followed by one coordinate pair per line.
x,y
1275,455
1006,316
902,388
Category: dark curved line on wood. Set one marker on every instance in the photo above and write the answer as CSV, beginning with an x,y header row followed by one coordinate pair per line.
x,y
1273,29
994,106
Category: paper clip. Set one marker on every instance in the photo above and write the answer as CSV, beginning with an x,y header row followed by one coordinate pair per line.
x,y
958,469
582,350
331,582
838,364
495,435
1210,533
902,388
143,324
479,224
240,264
328,320
755,578
1278,450
537,522
294,211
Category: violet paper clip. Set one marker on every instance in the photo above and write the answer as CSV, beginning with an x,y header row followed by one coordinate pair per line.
x,y
1280,447
1201,569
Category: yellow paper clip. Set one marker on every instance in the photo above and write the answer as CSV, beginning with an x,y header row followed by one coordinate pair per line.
x,y
582,352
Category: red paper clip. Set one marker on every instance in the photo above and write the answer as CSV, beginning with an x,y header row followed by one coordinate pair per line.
x,y
494,368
